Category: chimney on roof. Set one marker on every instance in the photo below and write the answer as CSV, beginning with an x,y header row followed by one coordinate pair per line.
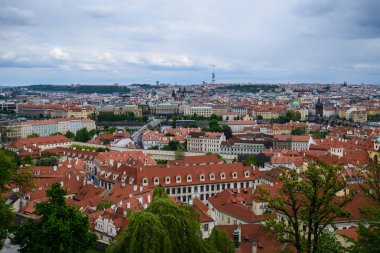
x,y
55,168
128,205
141,188
135,188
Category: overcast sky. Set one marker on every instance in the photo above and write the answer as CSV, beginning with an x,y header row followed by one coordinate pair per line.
x,y
178,41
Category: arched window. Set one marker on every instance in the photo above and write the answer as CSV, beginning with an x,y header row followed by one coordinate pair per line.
x,y
145,181
246,173
212,176
188,178
178,179
223,175
234,174
167,180
202,177
156,181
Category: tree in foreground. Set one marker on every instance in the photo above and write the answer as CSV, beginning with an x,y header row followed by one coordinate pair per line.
x,y
220,241
369,235
163,227
10,173
369,230
308,204
61,228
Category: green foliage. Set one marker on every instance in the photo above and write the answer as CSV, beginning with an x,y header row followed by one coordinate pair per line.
x,y
261,159
375,117
260,117
6,219
220,240
173,146
154,148
163,227
129,116
93,132
308,199
7,167
161,161
48,161
298,131
111,130
56,133
27,160
10,173
82,135
369,230
319,134
369,234
33,135
290,116
61,228
196,117
160,192
227,131
249,88
103,205
88,148
179,153
372,185
214,126
89,89
70,135
251,160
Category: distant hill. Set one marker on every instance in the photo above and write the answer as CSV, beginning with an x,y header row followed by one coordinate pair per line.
x,y
80,89
144,86
249,88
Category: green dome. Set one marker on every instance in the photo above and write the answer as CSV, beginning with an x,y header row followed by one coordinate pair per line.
x,y
378,140
296,103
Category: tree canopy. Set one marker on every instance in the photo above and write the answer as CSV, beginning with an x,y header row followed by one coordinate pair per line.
x,y
82,135
164,227
10,173
308,204
61,228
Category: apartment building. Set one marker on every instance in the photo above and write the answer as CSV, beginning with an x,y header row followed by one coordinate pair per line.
x,y
292,142
165,109
120,110
205,142
235,146
20,130
205,111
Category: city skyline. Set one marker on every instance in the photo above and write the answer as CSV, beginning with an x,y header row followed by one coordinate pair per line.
x,y
106,42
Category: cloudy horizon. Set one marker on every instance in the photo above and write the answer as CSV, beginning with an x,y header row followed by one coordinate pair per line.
x,y
106,42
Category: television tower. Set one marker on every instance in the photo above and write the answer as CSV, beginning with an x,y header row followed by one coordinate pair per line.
x,y
213,74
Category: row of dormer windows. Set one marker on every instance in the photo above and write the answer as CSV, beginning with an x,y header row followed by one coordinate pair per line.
x,y
202,177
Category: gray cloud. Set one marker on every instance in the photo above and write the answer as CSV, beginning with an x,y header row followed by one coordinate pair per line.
x,y
12,16
96,41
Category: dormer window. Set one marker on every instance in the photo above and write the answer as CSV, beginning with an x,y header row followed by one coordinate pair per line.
x,y
223,175
202,177
212,176
167,180
234,174
145,181
156,181
188,178
246,173
178,179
